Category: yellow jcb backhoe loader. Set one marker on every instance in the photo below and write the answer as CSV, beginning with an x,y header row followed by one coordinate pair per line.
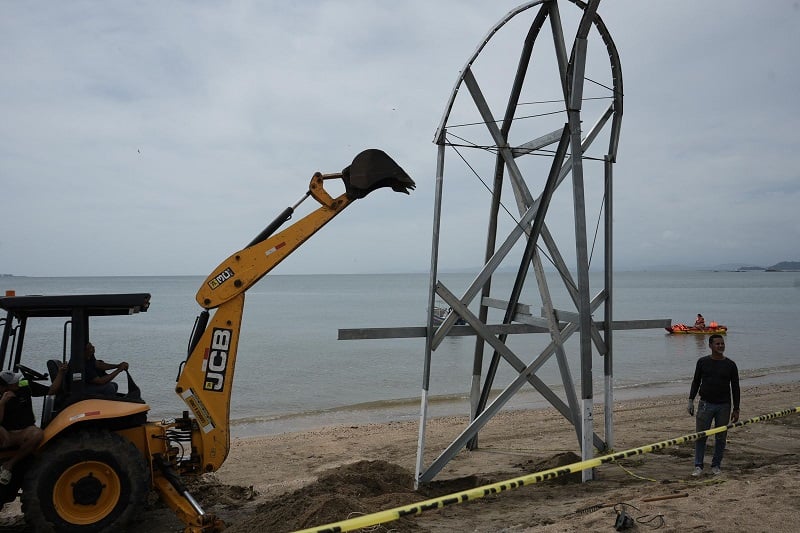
x,y
100,456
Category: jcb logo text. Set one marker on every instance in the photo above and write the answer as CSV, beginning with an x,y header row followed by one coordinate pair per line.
x,y
220,278
217,360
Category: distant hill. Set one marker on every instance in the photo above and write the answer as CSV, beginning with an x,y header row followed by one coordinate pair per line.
x,y
785,265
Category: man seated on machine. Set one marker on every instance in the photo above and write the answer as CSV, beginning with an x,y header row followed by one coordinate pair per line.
x,y
17,422
98,381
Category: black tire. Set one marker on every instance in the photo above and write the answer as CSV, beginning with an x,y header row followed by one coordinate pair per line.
x,y
85,482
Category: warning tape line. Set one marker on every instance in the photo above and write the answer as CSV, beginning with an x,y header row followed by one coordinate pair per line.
x,y
529,479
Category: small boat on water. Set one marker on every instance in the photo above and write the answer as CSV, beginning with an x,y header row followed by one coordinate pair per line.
x,y
440,313
683,329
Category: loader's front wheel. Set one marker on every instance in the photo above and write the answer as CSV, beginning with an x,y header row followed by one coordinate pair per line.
x,y
85,482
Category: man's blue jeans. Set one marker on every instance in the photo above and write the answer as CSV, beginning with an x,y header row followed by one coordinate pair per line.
x,y
720,414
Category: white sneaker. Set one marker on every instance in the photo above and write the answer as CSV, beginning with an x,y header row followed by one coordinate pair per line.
x,y
698,471
716,470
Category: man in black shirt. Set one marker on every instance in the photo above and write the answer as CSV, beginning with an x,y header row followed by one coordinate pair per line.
x,y
17,421
717,379
98,379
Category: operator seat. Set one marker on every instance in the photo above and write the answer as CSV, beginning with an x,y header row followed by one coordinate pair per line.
x,y
52,371
52,403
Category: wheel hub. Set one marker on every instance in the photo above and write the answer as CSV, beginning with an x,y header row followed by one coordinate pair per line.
x,y
87,490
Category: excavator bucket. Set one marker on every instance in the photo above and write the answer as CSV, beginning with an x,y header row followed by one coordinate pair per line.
x,y
373,169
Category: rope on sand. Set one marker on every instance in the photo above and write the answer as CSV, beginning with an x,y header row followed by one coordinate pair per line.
x,y
396,513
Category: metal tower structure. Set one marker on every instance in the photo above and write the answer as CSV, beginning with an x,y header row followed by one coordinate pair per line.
x,y
526,131
532,227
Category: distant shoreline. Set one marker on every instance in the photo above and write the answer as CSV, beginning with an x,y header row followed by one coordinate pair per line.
x,y
789,266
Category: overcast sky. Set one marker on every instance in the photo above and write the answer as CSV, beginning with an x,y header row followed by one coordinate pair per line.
x,y
156,138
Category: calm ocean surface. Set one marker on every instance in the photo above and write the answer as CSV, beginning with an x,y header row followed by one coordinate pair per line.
x,y
293,373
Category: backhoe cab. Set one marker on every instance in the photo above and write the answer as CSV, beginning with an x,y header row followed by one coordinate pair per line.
x,y
100,456
86,469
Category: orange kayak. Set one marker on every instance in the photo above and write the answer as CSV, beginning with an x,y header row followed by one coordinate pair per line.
x,y
691,330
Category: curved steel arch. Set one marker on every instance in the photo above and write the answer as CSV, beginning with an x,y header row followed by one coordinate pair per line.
x,y
439,137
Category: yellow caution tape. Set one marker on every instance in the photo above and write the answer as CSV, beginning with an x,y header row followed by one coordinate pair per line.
x,y
529,479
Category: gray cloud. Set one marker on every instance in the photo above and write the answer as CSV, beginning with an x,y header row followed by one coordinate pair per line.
x,y
145,138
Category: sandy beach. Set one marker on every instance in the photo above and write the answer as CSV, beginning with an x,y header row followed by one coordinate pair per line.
x,y
299,480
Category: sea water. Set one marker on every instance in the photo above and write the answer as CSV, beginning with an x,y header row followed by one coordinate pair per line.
x,y
293,373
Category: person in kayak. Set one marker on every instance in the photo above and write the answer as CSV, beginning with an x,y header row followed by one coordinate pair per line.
x,y
700,322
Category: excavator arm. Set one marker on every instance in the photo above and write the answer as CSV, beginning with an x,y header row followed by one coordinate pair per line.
x,y
206,377
370,170
243,269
